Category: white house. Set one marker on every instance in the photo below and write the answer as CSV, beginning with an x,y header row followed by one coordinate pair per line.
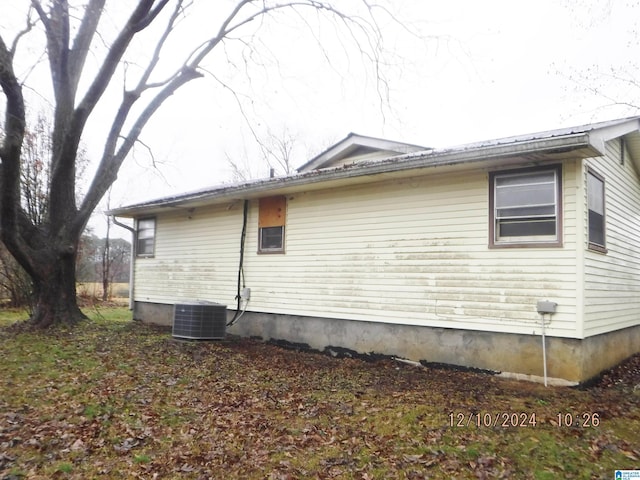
x,y
433,255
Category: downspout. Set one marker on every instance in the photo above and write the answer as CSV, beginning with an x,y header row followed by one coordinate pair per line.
x,y
240,292
131,260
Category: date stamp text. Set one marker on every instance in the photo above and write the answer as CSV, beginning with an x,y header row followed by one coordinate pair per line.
x,y
522,419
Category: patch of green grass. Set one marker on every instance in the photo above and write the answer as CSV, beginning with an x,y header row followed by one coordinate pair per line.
x,y
9,316
16,473
544,475
64,467
625,429
93,411
109,314
141,458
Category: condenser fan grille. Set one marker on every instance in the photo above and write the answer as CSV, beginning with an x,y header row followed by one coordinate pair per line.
x,y
200,321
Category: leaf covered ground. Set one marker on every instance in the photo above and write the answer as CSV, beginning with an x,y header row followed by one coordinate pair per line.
x,y
117,399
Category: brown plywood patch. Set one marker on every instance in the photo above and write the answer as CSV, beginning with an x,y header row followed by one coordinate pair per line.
x,y
272,211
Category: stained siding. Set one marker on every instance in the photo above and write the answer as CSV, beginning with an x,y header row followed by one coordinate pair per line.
x,y
612,280
412,251
196,257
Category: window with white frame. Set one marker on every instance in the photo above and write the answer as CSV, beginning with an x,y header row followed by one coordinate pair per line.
x,y
526,207
595,201
145,237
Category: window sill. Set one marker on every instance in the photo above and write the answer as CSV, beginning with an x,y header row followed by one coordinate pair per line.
x,y
594,247
498,245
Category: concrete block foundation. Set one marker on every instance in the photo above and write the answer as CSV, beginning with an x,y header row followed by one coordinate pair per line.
x,y
569,361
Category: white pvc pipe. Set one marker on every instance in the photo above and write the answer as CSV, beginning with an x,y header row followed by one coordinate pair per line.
x,y
544,352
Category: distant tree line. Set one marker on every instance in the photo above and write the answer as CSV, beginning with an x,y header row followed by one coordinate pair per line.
x,y
100,260
103,256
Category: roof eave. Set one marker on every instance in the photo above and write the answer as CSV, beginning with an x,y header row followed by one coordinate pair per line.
x,y
554,148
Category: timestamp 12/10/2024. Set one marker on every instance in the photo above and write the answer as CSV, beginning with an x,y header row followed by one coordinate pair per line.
x,y
521,419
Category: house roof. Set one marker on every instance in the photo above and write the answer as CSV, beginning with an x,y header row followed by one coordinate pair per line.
x,y
553,145
358,148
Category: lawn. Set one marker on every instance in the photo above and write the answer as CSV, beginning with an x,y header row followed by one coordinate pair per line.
x,y
117,399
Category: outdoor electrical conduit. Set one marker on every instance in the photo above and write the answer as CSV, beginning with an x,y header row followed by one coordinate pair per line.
x,y
242,293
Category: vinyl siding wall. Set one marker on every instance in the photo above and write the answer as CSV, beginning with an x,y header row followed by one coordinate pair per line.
x,y
612,280
410,251
196,256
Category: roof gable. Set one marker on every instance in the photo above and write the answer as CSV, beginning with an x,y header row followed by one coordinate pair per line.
x,y
356,148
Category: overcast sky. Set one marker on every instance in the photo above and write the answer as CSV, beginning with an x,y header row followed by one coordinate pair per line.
x,y
482,70
489,69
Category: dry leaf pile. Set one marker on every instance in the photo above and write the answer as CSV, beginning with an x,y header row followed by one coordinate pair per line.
x,y
116,399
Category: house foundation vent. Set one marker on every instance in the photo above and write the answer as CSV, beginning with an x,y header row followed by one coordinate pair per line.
x,y
199,321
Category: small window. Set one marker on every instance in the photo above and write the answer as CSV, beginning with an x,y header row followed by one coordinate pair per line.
x,y
271,239
146,237
271,224
595,199
525,208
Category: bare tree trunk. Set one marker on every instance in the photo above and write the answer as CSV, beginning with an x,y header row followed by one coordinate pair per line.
x,y
55,294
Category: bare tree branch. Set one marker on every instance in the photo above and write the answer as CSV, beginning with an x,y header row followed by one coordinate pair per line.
x,y
12,141
236,97
27,29
591,82
136,22
111,162
84,37
41,13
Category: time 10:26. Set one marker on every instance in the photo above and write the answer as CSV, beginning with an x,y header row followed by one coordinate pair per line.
x,y
582,420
